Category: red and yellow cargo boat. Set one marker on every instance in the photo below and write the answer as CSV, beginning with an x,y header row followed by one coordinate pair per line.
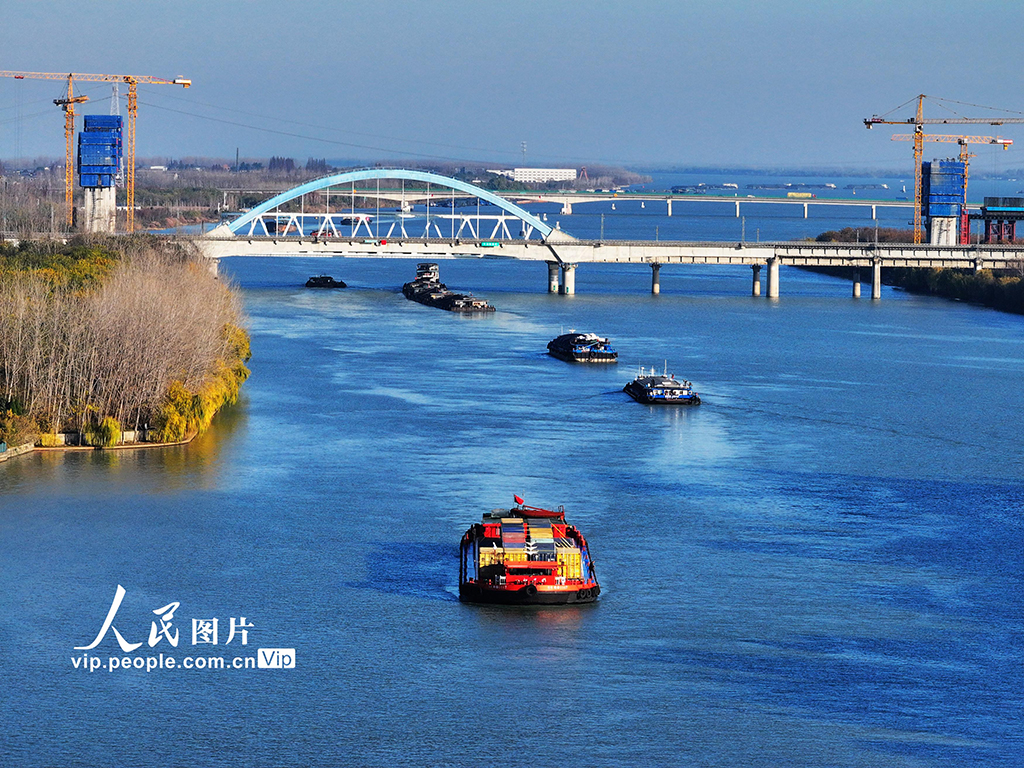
x,y
526,556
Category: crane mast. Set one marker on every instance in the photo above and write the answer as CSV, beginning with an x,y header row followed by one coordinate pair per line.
x,y
919,138
68,105
918,121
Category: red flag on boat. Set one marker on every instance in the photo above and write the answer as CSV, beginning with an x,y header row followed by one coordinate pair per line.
x,y
518,499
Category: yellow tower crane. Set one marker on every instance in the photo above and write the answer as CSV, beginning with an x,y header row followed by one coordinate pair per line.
x,y
918,138
68,105
965,157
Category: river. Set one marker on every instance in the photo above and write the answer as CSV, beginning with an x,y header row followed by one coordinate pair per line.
x,y
821,565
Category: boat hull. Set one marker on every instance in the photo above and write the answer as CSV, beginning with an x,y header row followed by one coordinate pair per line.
x,y
640,395
441,298
587,357
475,593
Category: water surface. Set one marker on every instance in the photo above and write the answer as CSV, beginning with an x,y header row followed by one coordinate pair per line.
x,y
821,565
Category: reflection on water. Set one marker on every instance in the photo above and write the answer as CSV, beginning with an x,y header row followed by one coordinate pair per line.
x,y
152,469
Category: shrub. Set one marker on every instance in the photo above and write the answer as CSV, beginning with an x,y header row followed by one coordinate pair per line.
x,y
17,428
103,435
49,440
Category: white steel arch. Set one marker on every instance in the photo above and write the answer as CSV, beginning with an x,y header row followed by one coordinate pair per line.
x,y
371,174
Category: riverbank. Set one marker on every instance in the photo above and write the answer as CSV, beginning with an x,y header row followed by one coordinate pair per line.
x,y
1003,291
110,338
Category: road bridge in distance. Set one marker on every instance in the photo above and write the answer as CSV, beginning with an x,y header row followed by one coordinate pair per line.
x,y
568,199
563,258
280,227
405,198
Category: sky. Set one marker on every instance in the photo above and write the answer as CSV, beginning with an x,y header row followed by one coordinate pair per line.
x,y
730,83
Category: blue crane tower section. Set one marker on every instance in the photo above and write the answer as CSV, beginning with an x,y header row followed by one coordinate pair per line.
x,y
99,150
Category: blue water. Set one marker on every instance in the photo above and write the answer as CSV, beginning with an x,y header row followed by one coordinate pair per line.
x,y
820,566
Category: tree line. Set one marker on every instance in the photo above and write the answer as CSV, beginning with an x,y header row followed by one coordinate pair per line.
x,y
97,337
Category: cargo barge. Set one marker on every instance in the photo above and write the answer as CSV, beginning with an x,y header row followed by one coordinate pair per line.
x,y
526,556
582,348
652,388
325,281
428,289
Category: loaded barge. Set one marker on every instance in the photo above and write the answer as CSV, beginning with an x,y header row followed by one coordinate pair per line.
x,y
652,388
582,348
526,556
428,289
325,281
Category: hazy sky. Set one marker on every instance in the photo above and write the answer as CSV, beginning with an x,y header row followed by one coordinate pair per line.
x,y
739,82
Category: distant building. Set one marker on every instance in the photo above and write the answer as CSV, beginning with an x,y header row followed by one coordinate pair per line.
x,y
537,175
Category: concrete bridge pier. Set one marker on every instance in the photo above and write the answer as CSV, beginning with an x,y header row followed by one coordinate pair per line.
x,y
876,280
655,279
670,208
756,288
737,209
805,210
874,213
566,208
553,268
856,283
568,280
773,277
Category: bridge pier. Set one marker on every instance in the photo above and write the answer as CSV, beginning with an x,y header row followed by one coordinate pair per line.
x,y
805,210
755,289
566,208
737,209
773,277
856,283
568,287
874,213
876,280
655,279
553,276
670,208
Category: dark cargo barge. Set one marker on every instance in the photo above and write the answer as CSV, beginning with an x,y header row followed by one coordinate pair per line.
x,y
325,281
582,348
651,388
526,556
428,289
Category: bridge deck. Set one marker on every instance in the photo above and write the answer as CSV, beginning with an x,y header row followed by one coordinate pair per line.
x,y
644,251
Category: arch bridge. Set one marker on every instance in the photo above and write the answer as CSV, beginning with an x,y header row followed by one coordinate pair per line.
x,y
268,218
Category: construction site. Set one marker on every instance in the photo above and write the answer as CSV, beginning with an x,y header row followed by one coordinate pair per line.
x,y
940,186
106,149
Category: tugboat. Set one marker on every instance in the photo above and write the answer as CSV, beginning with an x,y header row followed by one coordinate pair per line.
x,y
324,281
428,289
653,388
582,348
526,556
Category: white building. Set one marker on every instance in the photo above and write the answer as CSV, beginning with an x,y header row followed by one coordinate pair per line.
x,y
538,175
